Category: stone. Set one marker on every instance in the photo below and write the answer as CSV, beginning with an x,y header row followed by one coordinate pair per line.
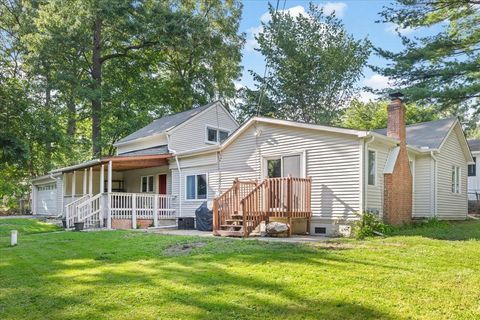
x,y
276,227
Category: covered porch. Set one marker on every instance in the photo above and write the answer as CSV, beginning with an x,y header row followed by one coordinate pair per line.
x,y
120,192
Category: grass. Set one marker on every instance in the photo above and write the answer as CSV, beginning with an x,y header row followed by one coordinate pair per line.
x,y
429,272
25,226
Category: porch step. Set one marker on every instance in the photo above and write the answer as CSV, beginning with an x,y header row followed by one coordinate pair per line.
x,y
231,226
229,233
233,221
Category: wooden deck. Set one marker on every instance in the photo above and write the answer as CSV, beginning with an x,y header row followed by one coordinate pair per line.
x,y
240,210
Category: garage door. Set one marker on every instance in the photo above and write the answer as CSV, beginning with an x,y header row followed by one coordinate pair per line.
x,y
47,199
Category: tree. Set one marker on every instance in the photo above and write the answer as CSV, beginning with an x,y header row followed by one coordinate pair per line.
x,y
313,62
442,68
373,115
190,49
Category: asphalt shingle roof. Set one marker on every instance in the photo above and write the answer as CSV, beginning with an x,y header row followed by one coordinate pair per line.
x,y
145,152
474,144
426,134
165,123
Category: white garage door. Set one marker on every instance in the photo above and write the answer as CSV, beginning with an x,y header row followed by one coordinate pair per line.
x,y
47,199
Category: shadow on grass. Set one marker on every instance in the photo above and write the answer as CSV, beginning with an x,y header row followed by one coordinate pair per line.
x,y
109,276
443,230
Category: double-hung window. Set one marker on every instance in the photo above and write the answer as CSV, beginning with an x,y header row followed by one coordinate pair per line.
x,y
372,167
215,135
196,187
147,184
455,179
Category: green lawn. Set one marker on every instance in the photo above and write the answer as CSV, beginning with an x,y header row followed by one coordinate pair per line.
x,y
416,274
25,226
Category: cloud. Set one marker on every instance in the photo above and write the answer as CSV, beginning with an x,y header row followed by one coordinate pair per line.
x,y
366,96
337,7
377,82
293,11
395,28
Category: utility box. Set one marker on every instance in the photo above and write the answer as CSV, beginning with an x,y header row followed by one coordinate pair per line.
x,y
186,223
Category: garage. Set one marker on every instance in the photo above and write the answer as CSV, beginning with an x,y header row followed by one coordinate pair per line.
x,y
47,199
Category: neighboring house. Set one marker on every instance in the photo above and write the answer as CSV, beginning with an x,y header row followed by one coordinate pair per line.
x,y
324,174
473,174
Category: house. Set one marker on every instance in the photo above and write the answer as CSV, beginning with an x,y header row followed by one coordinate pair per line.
x,y
266,169
473,175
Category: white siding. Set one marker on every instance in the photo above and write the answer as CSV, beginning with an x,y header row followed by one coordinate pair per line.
x,y
332,160
133,182
191,135
188,207
144,143
374,200
451,205
423,189
474,181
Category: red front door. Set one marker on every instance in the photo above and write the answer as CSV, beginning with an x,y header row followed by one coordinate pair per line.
x,y
162,184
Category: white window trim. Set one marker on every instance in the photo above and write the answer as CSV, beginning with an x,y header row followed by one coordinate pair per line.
x,y
185,188
458,177
153,184
275,156
207,126
375,171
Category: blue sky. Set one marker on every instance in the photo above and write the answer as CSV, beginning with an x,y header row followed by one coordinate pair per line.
x,y
358,16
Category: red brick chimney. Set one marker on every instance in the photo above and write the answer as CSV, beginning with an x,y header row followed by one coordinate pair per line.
x,y
397,205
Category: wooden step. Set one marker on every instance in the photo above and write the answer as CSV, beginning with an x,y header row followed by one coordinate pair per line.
x,y
229,233
231,226
233,221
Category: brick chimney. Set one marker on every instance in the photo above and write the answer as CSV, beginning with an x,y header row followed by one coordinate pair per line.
x,y
397,206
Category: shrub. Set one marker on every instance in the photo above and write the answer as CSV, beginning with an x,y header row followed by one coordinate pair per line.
x,y
369,225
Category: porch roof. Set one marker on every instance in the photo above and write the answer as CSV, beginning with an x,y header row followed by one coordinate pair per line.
x,y
121,163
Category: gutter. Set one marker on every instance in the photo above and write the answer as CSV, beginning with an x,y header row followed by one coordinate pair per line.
x,y
175,154
435,183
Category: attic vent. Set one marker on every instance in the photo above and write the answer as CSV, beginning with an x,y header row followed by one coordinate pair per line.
x,y
424,148
320,230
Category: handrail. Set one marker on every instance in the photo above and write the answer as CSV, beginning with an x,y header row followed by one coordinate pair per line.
x,y
71,210
228,203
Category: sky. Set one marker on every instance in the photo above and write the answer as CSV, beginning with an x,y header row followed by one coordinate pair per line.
x,y
358,16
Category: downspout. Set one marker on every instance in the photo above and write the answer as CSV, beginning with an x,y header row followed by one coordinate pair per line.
x,y
179,176
365,171
435,183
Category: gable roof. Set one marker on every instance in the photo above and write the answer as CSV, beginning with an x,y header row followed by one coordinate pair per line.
x,y
164,124
427,134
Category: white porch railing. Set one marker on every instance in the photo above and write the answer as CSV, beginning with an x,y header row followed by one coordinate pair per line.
x,y
90,212
141,206
71,210
116,205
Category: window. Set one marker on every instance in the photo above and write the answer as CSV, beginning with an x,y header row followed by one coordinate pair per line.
x,y
472,168
216,135
196,187
372,166
456,179
147,184
284,166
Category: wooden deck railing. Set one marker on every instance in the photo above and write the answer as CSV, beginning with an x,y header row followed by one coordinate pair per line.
x,y
228,204
285,197
277,197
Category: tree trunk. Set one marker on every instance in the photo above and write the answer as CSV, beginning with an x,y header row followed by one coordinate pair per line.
x,y
72,118
97,86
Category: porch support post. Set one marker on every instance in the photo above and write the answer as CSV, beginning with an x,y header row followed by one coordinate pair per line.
x,y
90,181
134,211
102,199
109,195
74,183
155,210
85,177
102,179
